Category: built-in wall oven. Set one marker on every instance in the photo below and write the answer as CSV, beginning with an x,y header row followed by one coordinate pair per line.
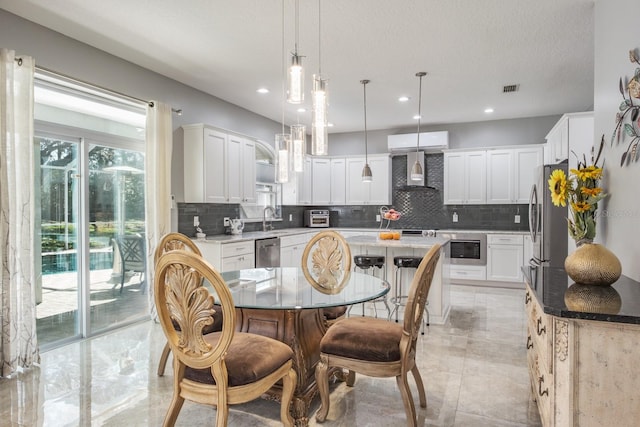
x,y
467,248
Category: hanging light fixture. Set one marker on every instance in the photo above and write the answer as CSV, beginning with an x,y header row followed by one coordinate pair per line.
x,y
298,146
417,174
320,101
282,140
366,170
296,72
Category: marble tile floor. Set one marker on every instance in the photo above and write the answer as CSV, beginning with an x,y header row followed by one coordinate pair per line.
x,y
474,368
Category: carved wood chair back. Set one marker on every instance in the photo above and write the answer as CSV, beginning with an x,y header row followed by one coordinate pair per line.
x,y
172,242
326,261
219,368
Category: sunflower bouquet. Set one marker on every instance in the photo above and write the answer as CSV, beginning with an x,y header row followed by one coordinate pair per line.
x,y
580,190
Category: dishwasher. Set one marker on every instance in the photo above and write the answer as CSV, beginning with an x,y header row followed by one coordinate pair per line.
x,y
268,252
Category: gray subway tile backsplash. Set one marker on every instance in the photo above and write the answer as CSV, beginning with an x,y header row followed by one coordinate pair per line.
x,y
422,208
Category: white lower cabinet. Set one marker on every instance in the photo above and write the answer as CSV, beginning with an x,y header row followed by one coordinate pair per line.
x,y
292,248
467,272
228,256
505,257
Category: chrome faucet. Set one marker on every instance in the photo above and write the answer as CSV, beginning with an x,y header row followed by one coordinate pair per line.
x,y
264,218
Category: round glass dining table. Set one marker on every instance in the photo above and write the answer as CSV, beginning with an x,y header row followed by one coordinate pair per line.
x,y
281,303
278,288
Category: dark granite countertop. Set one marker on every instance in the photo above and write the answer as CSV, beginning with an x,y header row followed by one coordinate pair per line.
x,y
550,285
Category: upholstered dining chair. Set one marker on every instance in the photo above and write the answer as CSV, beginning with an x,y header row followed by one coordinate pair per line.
x,y
379,348
326,263
220,368
171,242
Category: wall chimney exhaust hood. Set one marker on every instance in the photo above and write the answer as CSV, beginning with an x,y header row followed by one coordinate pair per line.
x,y
429,141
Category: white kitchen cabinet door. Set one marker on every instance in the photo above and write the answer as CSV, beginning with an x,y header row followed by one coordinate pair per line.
x,y
465,177
239,262
526,161
376,192
234,169
454,178
357,191
248,171
511,173
338,182
476,179
204,157
321,182
505,255
500,172
379,190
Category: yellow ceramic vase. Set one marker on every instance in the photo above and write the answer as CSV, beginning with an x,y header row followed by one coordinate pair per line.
x,y
593,264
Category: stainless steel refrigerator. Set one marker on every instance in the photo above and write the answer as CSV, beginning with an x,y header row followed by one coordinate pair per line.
x,y
547,223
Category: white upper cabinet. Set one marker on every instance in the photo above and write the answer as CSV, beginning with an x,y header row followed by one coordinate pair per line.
x,y
465,177
321,183
219,167
574,132
298,190
376,192
338,181
511,173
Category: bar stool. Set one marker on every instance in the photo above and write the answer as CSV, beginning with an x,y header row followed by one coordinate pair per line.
x,y
401,262
366,262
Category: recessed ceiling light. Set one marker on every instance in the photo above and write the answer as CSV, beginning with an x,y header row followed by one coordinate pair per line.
x,y
330,125
403,99
416,117
302,110
263,90
488,110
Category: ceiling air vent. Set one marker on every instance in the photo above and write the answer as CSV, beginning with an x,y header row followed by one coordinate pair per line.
x,y
510,88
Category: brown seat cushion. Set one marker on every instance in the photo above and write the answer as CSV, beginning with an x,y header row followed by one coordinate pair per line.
x,y
250,357
332,313
363,338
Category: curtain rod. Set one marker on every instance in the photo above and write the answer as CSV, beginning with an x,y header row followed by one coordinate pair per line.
x,y
82,82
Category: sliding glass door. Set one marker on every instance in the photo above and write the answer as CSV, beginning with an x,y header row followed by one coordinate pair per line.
x,y
91,223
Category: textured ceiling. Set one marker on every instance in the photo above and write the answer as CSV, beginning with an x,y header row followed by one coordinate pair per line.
x,y
469,48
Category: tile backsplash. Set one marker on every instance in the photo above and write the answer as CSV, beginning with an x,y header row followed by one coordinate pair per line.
x,y
422,208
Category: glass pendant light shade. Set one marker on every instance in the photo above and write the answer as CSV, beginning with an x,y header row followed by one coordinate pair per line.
x,y
283,148
417,174
319,124
295,83
298,146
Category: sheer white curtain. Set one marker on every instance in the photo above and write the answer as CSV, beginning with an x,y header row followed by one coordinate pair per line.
x,y
159,145
19,344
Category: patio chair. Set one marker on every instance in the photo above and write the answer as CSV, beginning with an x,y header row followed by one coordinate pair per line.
x,y
133,257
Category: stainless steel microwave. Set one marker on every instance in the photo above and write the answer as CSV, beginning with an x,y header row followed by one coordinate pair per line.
x,y
467,248
316,218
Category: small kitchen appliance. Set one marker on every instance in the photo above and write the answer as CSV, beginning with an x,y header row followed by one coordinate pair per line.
x,y
237,225
316,218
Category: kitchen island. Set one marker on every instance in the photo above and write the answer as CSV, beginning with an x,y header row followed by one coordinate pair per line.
x,y
439,303
582,349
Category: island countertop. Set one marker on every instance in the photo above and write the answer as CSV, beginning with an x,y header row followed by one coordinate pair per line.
x,y
550,285
405,242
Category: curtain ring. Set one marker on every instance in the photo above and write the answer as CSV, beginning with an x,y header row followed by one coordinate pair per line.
x,y
19,61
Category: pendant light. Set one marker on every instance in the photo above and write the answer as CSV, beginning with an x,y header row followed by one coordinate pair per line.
x,y
298,146
319,101
366,170
282,140
417,174
295,94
